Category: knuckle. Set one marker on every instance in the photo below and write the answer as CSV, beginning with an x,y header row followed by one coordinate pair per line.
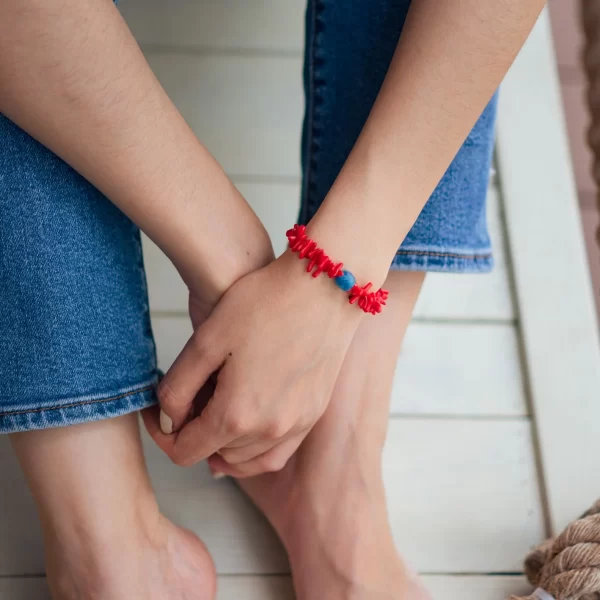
x,y
272,464
307,423
231,457
181,461
167,397
275,430
236,424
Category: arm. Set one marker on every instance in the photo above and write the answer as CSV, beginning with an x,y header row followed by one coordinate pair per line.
x,y
73,77
278,336
451,57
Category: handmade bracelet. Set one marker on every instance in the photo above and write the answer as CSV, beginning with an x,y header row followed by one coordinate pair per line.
x,y
319,262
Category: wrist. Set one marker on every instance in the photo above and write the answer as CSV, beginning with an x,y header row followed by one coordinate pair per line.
x,y
318,294
211,264
368,298
362,253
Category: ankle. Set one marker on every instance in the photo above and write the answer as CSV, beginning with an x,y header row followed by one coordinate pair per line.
x,y
94,550
378,576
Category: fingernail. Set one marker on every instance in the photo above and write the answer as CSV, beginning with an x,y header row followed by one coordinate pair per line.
x,y
166,423
218,475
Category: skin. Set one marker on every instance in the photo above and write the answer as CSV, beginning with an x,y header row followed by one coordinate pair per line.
x,y
80,57
328,503
450,59
104,536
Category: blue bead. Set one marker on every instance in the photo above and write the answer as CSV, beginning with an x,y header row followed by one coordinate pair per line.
x,y
345,281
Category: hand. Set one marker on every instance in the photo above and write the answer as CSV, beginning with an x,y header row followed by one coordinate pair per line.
x,y
277,339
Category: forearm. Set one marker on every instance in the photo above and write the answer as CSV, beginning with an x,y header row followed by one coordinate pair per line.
x,y
451,57
73,77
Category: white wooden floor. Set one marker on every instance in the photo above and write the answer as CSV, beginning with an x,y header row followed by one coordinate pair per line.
x,y
463,481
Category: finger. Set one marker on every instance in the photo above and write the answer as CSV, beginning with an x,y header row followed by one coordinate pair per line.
x,y
269,462
190,371
202,436
151,419
235,453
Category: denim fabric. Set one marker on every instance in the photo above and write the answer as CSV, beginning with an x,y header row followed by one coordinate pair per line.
x,y
75,337
348,52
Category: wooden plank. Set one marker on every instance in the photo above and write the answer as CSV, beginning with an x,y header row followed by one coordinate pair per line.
x,y
24,588
590,217
445,296
460,370
217,25
21,550
279,587
448,587
247,110
476,587
463,497
252,587
444,369
473,296
554,294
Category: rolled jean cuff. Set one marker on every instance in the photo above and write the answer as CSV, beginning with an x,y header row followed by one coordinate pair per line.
x,y
444,261
83,409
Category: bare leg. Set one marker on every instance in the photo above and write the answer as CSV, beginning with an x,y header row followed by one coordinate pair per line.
x,y
328,504
104,536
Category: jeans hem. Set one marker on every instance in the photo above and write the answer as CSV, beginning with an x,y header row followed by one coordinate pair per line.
x,y
81,410
443,262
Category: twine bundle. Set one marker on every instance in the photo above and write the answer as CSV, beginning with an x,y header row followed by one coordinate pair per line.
x,y
568,567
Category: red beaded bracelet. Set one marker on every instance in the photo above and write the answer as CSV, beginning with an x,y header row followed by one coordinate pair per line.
x,y
319,262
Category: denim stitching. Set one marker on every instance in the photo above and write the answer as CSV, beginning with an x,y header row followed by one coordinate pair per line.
x,y
308,117
446,254
76,404
141,267
314,97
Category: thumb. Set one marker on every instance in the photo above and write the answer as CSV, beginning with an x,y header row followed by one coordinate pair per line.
x,y
182,382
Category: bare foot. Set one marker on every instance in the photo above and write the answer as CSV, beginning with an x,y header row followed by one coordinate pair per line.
x,y
328,507
328,504
172,564
105,538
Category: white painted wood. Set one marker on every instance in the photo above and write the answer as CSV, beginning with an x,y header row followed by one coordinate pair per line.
x,y
554,294
213,25
463,497
24,589
279,587
275,587
246,109
459,370
473,296
20,533
170,334
469,587
444,369
444,587
445,296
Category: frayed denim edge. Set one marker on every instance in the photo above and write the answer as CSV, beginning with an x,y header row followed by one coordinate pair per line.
x,y
84,410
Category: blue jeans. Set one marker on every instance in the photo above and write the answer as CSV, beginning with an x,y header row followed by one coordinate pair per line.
x,y
348,51
75,338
